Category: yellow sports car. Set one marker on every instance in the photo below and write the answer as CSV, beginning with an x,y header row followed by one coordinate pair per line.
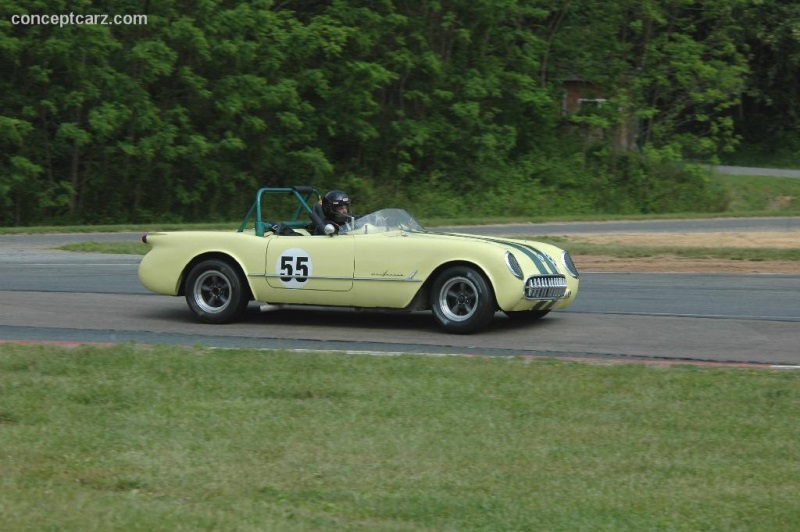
x,y
382,260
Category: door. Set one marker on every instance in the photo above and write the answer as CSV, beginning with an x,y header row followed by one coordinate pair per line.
x,y
311,263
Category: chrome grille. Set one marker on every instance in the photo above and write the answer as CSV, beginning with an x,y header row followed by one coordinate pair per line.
x,y
545,287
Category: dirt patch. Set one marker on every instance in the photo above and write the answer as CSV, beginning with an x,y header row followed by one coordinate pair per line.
x,y
780,203
777,240
671,263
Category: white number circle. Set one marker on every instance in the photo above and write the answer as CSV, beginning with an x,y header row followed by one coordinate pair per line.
x,y
294,268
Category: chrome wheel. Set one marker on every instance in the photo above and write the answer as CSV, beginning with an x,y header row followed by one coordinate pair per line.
x,y
215,291
462,300
212,291
458,299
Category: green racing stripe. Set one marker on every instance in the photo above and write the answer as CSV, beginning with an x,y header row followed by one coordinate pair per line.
x,y
539,259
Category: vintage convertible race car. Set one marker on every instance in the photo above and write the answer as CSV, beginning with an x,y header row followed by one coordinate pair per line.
x,y
382,260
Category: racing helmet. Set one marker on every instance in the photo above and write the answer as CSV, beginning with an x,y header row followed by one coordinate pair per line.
x,y
330,203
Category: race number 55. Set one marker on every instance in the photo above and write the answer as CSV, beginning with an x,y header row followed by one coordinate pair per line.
x,y
294,268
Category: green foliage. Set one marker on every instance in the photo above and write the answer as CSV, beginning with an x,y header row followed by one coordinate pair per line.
x,y
770,108
778,149
182,118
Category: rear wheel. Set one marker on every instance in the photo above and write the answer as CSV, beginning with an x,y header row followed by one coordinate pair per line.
x,y
462,300
215,292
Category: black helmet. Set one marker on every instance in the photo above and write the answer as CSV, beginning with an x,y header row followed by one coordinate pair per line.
x,y
332,200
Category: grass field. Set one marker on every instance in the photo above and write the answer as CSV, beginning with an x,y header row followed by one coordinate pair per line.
x,y
166,438
764,195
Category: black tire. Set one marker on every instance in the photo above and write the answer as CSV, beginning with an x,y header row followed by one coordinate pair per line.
x,y
528,315
462,300
215,292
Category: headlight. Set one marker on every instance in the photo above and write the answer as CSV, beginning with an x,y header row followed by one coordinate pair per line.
x,y
569,265
513,265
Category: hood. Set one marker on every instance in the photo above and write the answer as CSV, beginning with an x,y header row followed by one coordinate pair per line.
x,y
543,256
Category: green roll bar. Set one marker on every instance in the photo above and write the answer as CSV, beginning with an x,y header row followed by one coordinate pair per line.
x,y
301,193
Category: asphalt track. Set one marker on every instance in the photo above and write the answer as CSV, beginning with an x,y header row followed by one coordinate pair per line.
x,y
57,296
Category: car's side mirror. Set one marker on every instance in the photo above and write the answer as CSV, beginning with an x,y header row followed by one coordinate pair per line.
x,y
329,229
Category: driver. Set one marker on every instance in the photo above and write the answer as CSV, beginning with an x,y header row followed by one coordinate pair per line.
x,y
335,211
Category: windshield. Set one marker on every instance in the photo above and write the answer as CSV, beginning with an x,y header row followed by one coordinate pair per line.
x,y
384,220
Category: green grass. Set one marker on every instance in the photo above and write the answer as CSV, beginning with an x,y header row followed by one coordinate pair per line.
x,y
118,248
760,195
166,438
48,229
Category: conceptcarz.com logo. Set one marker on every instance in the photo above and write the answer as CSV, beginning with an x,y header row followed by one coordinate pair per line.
x,y
69,19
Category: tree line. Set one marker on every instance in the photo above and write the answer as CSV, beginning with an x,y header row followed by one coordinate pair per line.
x,y
453,106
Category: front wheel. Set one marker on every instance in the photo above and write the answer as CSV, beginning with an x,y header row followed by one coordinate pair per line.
x,y
462,300
215,292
